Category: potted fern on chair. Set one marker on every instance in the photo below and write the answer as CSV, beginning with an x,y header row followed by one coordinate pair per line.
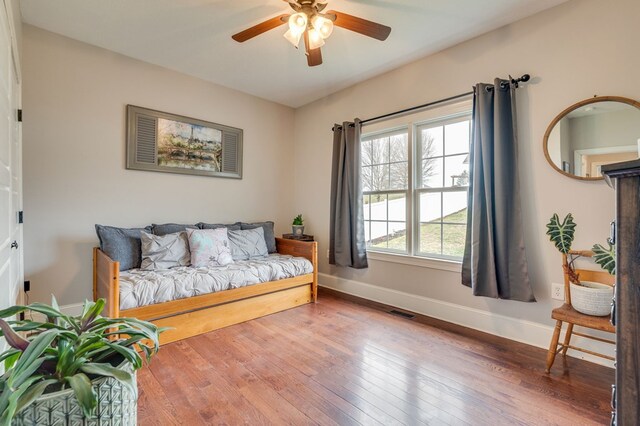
x,y
587,297
72,370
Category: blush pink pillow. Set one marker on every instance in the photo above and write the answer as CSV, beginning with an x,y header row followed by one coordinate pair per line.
x,y
209,247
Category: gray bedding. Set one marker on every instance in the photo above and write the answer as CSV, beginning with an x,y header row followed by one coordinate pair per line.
x,y
139,287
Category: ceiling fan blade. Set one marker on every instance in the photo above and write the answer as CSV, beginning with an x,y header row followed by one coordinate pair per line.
x,y
314,57
262,27
359,25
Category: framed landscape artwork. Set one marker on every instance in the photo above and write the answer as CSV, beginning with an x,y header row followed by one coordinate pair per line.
x,y
163,142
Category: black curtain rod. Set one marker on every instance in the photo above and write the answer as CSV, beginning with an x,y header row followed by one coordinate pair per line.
x,y
514,81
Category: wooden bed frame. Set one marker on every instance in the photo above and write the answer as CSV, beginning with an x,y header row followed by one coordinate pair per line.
x,y
201,314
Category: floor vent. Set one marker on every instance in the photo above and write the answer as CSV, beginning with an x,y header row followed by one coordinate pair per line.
x,y
402,314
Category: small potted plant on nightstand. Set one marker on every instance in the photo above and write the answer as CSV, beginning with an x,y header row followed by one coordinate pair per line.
x,y
297,227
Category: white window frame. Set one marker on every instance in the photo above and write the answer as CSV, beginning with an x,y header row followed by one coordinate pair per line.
x,y
443,113
387,192
419,190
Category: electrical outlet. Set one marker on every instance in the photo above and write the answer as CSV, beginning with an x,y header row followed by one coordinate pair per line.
x,y
327,253
557,291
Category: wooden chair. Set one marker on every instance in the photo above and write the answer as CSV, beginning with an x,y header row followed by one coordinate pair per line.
x,y
567,314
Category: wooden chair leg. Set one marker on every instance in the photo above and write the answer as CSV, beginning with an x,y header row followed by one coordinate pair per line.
x,y
553,346
567,339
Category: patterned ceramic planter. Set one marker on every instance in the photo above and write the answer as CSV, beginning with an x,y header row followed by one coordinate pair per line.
x,y
116,407
297,230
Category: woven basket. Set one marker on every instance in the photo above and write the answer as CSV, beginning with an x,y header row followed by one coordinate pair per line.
x,y
117,406
592,298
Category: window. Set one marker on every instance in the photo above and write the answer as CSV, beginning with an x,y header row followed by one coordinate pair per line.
x,y
385,177
415,181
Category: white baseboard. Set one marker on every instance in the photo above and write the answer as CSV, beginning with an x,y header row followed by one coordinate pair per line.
x,y
520,330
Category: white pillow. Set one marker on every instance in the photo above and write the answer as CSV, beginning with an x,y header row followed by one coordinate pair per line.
x,y
164,251
209,247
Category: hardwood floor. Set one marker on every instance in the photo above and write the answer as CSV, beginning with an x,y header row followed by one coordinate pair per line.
x,y
342,363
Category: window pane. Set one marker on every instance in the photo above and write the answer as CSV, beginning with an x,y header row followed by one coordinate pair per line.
x,y
456,170
379,234
430,238
380,177
430,207
398,207
378,207
365,203
453,241
399,146
456,138
367,232
431,141
366,178
431,173
455,207
379,152
397,236
366,153
399,176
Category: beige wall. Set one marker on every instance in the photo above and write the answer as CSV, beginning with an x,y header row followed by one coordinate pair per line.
x,y
569,58
74,157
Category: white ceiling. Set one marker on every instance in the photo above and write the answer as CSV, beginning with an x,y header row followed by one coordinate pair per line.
x,y
194,37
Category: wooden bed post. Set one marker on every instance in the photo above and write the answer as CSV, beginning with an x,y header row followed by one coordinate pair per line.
x,y
315,273
106,284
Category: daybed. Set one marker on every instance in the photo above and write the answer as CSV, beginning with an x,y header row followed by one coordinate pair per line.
x,y
190,316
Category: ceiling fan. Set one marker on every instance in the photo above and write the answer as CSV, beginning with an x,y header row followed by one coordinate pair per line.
x,y
310,23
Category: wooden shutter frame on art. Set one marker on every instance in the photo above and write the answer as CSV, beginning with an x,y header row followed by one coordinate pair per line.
x,y
142,144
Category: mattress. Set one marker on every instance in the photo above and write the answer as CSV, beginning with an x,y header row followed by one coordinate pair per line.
x,y
140,287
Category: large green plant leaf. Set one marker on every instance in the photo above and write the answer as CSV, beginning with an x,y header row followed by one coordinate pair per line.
x,y
13,339
10,407
605,257
30,359
561,233
84,392
33,393
91,311
10,357
119,374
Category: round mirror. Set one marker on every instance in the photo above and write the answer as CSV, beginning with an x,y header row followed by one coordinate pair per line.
x,y
592,133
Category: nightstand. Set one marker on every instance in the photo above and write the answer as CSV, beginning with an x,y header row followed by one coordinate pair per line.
x,y
303,237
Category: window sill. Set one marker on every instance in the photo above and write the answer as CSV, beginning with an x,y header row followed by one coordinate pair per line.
x,y
431,263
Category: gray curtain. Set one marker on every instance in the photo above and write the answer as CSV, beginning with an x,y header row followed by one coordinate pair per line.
x,y
347,246
494,263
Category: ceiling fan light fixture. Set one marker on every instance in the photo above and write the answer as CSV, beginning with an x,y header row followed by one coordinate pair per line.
x,y
298,22
315,39
293,37
324,26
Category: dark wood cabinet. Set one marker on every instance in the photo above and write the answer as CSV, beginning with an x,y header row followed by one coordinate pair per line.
x,y
625,178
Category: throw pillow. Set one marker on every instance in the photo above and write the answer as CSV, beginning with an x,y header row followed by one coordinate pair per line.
x,y
269,234
229,226
248,243
122,245
209,247
165,251
171,228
